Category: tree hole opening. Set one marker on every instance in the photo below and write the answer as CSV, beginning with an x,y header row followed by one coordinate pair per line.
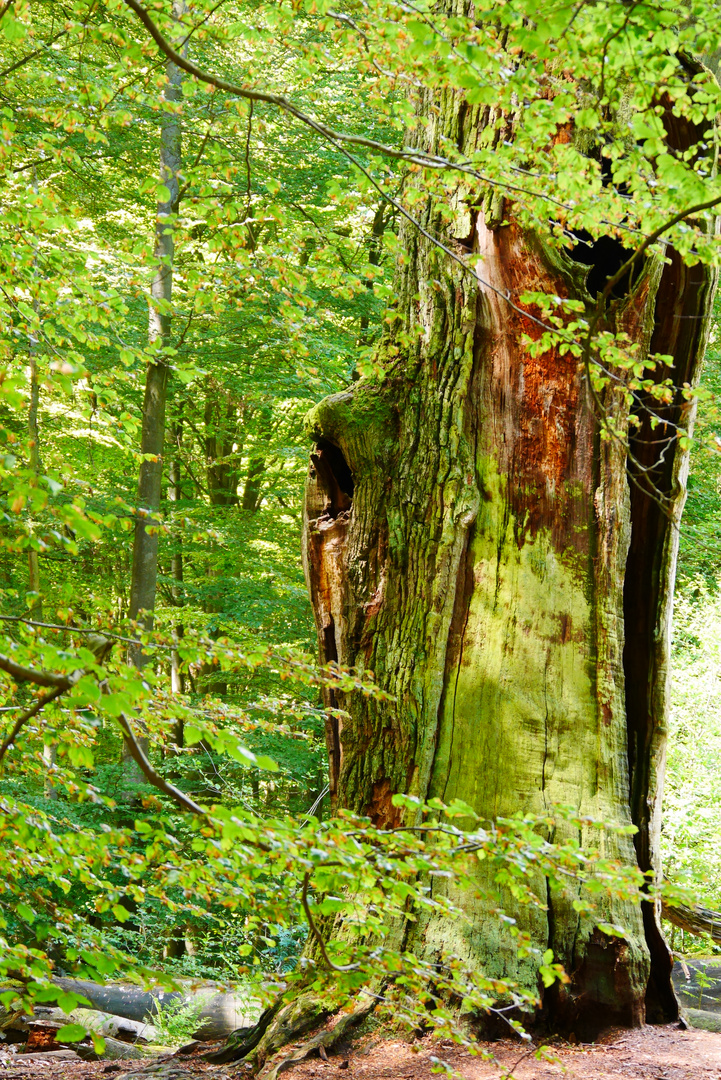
x,y
330,651
608,180
334,476
605,257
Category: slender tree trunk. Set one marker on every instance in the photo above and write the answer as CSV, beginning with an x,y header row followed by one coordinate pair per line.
x,y
221,427
35,465
144,574
36,609
34,584
175,494
213,681
473,541
145,544
253,484
34,440
221,423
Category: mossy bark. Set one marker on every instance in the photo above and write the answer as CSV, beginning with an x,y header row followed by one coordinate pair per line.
x,y
468,537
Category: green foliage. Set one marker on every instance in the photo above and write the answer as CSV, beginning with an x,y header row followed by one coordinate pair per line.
x,y
175,1022
700,546
692,806
692,817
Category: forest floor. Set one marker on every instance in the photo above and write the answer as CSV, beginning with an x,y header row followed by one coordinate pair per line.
x,y
650,1053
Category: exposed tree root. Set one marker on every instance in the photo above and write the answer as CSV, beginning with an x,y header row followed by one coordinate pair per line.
x,y
242,1042
282,1025
326,1039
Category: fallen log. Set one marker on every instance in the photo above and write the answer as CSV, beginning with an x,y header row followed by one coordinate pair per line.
x,y
47,1055
704,1019
697,983
221,1013
694,919
117,1050
114,1027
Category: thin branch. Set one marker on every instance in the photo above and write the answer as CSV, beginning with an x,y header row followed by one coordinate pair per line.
x,y
316,932
28,715
32,55
61,683
39,678
682,215
308,217
247,156
410,154
504,295
198,156
184,332
197,26
136,753
78,630
509,1074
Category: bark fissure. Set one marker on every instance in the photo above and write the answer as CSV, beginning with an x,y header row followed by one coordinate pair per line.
x,y
545,736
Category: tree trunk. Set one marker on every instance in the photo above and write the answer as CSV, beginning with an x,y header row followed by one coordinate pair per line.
x,y
144,576
696,919
253,484
175,494
375,250
221,424
35,608
145,542
472,540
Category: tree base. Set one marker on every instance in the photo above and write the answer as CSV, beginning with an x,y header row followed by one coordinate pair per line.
x,y
269,1048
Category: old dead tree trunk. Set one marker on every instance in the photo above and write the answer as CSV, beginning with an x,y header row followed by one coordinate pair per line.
x,y
472,540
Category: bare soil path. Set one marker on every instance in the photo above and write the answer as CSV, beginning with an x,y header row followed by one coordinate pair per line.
x,y
650,1053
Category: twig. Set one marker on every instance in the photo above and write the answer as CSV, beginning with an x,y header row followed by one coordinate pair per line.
x,y
509,1074
32,55
28,715
316,932
39,678
136,752
413,155
682,215
79,630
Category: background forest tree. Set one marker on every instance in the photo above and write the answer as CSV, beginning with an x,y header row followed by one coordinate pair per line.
x,y
285,243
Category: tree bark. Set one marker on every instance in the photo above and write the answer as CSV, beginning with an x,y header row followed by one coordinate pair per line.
x,y
175,494
221,424
34,585
375,250
253,484
145,541
144,574
472,540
